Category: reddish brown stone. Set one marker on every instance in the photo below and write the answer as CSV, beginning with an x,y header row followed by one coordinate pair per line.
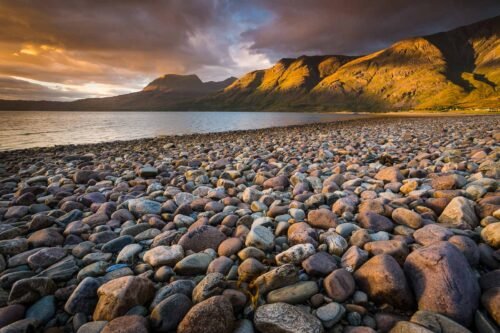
x,y
301,233
202,238
491,302
447,182
322,218
443,281
375,222
118,296
214,315
389,174
230,246
339,285
127,324
395,248
384,281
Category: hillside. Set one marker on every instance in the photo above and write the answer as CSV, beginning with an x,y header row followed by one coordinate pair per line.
x,y
169,92
455,69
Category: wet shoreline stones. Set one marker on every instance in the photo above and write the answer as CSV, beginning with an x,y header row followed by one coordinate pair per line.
x,y
379,225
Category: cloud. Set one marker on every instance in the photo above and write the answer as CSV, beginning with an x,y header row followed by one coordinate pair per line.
x,y
106,40
19,88
354,27
73,49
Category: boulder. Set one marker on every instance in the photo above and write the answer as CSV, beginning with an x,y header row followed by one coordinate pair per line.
x,y
443,281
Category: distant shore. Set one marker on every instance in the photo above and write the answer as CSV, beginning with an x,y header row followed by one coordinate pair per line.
x,y
364,116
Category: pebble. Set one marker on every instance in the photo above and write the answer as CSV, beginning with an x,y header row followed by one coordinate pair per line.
x,y
322,218
84,297
381,224
118,296
261,238
168,313
339,285
437,322
214,315
459,213
193,264
43,310
127,324
384,281
11,313
407,217
491,235
330,314
202,238
293,294
319,264
164,255
286,318
213,284
296,254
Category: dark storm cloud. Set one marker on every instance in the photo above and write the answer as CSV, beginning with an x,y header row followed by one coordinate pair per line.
x,y
106,39
358,26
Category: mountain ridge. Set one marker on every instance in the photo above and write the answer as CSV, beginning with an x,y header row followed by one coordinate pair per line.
x,y
453,69
457,69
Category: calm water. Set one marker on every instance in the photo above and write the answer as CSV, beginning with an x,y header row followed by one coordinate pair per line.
x,y
46,128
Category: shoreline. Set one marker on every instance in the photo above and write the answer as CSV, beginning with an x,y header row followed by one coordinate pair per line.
x,y
356,116
231,228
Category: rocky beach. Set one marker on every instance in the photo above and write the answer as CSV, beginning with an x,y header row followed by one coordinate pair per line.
x,y
370,225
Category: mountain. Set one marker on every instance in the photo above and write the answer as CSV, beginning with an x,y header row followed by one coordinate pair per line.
x,y
169,92
286,83
454,69
186,83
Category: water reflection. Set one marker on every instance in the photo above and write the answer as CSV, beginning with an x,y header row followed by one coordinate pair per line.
x,y
46,128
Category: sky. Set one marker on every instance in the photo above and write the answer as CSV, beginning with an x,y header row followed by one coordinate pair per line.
x,y
66,50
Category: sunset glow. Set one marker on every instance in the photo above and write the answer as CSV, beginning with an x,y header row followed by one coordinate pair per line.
x,y
64,50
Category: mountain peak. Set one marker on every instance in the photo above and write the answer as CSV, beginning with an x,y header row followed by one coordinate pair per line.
x,y
186,83
175,82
